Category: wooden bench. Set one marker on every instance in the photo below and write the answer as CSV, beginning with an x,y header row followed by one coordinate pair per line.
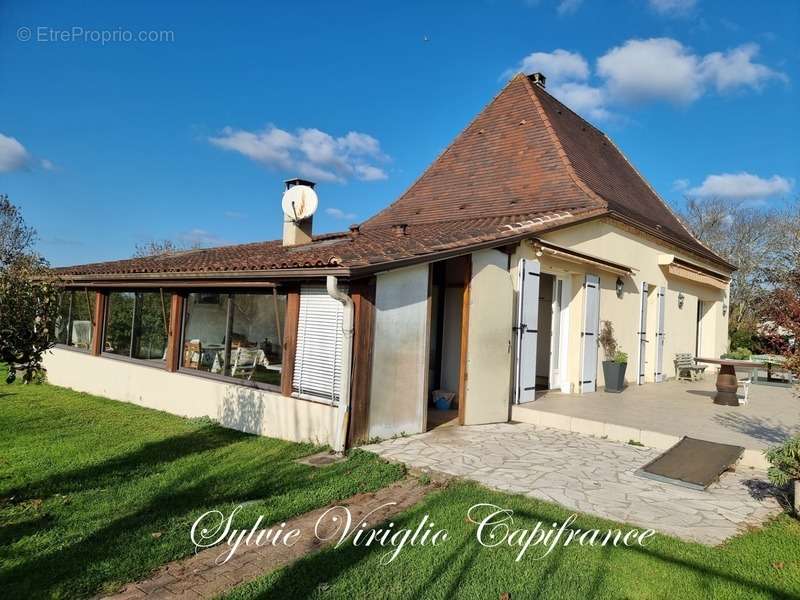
x,y
686,368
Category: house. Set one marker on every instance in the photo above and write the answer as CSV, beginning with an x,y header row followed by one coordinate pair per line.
x,y
488,277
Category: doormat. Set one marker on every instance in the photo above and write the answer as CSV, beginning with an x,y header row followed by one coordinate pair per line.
x,y
692,463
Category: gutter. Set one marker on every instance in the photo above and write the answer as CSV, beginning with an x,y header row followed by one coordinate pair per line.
x,y
332,284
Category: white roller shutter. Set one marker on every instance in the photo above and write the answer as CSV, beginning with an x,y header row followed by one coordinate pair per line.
x,y
318,359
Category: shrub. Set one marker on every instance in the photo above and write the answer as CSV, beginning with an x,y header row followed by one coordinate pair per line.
x,y
742,338
621,357
738,354
785,461
607,340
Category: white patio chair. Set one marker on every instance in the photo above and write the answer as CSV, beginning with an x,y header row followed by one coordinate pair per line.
x,y
246,360
745,383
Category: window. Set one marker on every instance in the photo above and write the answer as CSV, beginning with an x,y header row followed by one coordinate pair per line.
x,y
318,365
235,335
74,325
137,325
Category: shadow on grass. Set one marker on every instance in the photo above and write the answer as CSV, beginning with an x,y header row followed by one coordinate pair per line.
x,y
122,468
445,571
77,569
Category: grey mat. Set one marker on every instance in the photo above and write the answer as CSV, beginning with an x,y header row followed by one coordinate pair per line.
x,y
692,463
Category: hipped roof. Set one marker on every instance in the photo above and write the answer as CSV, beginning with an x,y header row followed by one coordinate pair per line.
x,y
524,165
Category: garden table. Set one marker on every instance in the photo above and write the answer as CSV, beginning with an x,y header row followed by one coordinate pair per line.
x,y
727,382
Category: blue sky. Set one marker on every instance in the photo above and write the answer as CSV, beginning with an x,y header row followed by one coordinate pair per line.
x,y
189,137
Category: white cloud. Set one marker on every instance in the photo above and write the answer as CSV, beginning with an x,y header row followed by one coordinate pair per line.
x,y
741,186
583,99
680,185
664,69
672,7
558,66
200,237
47,165
338,213
370,173
310,153
735,68
568,7
653,69
650,70
13,156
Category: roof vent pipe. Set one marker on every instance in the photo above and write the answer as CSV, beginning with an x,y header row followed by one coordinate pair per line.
x,y
400,229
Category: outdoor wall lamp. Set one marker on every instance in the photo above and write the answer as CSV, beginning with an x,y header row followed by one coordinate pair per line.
x,y
620,287
681,298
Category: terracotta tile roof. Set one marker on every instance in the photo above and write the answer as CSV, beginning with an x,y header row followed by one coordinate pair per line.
x,y
526,163
600,165
369,249
526,151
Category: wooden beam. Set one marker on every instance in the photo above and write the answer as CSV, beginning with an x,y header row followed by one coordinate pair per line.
x,y
290,340
174,342
100,299
462,373
363,294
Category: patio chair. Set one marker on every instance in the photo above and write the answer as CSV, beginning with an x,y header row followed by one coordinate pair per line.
x,y
246,360
193,354
745,383
686,368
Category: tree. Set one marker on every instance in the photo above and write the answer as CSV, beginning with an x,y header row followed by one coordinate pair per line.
x,y
752,238
28,312
780,313
16,238
28,297
157,247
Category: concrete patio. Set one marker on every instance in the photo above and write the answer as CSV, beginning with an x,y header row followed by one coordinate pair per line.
x,y
588,474
658,415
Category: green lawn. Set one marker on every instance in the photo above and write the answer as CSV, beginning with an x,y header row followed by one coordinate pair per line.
x,y
96,493
760,564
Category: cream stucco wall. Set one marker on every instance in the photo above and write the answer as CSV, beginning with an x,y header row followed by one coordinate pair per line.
x,y
235,406
398,398
489,349
606,240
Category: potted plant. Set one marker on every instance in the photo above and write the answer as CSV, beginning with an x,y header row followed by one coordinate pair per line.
x,y
616,361
785,469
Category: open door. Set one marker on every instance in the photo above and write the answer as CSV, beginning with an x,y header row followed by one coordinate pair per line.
x,y
661,298
489,340
642,333
591,327
527,330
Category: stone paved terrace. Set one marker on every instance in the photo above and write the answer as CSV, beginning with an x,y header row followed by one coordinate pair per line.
x,y
657,415
588,474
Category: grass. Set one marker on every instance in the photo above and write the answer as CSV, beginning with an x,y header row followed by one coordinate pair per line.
x,y
96,493
763,563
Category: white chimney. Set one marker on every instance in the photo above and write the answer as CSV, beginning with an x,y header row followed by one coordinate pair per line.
x,y
299,205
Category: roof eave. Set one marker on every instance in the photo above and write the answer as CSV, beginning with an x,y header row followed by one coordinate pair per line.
x,y
709,256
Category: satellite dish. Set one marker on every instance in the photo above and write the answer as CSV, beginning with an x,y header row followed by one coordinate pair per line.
x,y
299,202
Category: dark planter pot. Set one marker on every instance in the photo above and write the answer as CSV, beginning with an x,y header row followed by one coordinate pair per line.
x,y
614,374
